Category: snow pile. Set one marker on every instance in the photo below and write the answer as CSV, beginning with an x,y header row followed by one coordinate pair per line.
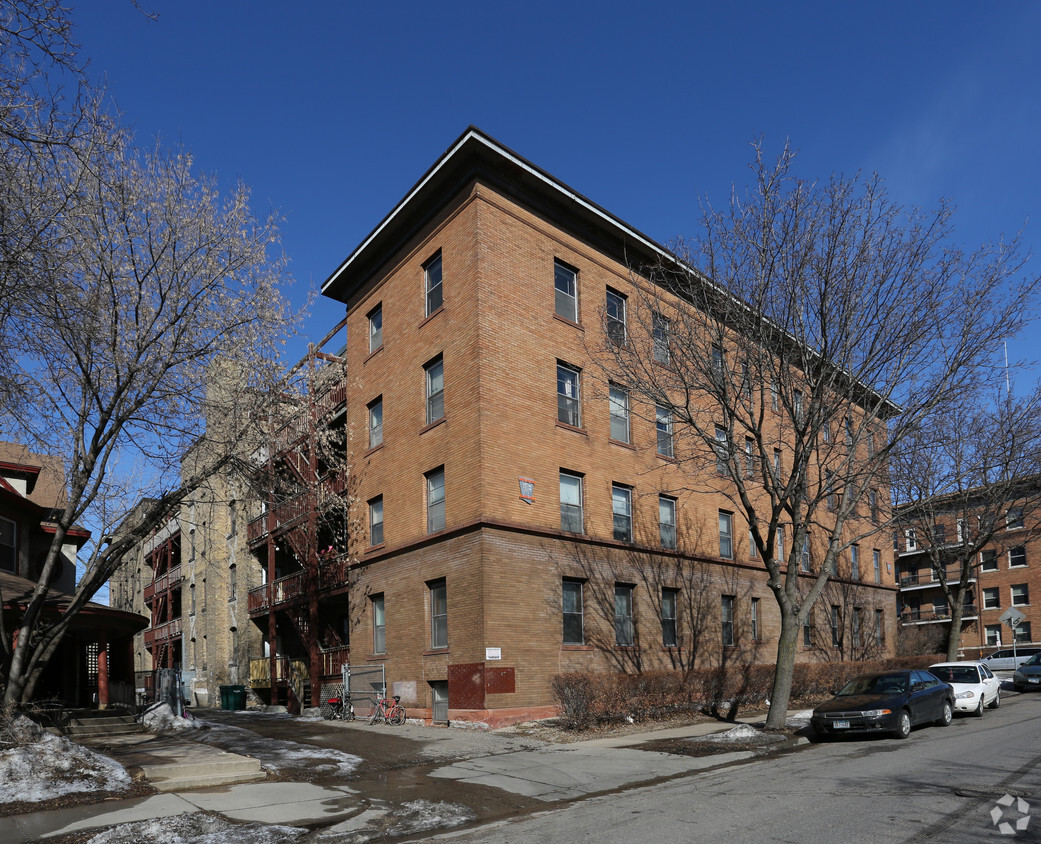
x,y
800,719
43,766
161,719
196,828
276,754
423,816
742,732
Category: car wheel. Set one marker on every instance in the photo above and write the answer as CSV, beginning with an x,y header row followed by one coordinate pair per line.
x,y
947,715
979,709
903,726
994,704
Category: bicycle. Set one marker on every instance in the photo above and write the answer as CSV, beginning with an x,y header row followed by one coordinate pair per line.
x,y
391,713
341,707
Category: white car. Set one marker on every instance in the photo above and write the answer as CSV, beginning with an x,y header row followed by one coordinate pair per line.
x,y
1008,659
974,684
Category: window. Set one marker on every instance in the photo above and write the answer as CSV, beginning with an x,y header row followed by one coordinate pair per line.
x,y
376,423
749,457
726,535
376,521
993,633
746,381
960,525
568,400
375,328
836,626
807,631
940,534
438,614
829,488
436,500
572,612
622,507
667,521
718,365
849,430
435,388
873,504
8,545
571,519
379,626
565,280
876,564
858,617
726,615
880,627
797,406
806,563
722,451
669,605
1017,557
779,544
1020,595
663,423
755,619
623,614
1014,518
618,403
910,540
662,329
775,395
989,560
1021,633
777,466
615,317
854,562
992,598
432,282
753,551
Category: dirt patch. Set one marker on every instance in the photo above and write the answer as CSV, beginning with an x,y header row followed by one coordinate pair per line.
x,y
83,798
713,746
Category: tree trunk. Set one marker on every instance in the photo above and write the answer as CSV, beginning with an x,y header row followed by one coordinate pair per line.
x,y
783,671
957,609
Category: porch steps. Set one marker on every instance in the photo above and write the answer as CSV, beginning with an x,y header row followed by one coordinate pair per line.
x,y
174,763
100,725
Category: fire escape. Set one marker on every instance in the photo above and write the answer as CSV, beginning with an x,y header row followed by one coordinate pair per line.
x,y
301,536
163,598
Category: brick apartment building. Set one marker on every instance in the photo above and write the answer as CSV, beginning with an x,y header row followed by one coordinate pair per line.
x,y
1005,573
521,521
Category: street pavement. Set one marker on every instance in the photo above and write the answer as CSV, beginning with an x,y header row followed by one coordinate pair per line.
x,y
555,772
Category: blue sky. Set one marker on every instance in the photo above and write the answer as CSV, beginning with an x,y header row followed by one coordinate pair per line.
x,y
332,110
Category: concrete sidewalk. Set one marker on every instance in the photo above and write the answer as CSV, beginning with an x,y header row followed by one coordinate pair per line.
x,y
552,773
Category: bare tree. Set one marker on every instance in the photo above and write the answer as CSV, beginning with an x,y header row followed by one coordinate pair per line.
x,y
147,278
968,481
825,324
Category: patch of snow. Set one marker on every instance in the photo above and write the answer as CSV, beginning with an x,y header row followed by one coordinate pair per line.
x,y
277,754
742,732
49,766
198,828
424,816
799,719
161,719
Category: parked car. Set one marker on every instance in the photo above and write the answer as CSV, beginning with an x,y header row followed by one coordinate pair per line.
x,y
886,702
1006,659
974,684
1028,675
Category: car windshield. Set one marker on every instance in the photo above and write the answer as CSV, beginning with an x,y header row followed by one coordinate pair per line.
x,y
876,684
956,673
1034,660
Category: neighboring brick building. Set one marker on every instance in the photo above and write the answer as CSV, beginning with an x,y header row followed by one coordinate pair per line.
x,y
521,523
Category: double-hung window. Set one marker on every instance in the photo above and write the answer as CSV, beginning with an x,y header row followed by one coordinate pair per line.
x,y
434,376
618,403
992,598
572,612
571,519
667,521
438,614
375,328
1017,557
436,500
376,521
376,423
622,507
779,556
1014,518
1020,595
876,564
624,633
663,424
669,606
858,618
569,400
662,329
836,626
379,625
726,535
755,619
722,447
854,562
726,617
565,281
806,562
749,457
615,317
432,283
988,560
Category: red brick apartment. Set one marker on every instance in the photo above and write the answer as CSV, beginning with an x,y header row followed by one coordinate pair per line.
x,y
517,525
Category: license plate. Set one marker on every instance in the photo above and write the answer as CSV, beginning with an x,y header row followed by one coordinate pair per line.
x,y
840,725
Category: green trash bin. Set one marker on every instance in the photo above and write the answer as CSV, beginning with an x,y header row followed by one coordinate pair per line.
x,y
236,697
225,697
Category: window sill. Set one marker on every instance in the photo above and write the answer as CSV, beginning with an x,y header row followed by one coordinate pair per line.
x,y
621,444
567,321
576,647
427,319
666,458
372,354
435,652
379,546
373,450
567,427
376,657
432,425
